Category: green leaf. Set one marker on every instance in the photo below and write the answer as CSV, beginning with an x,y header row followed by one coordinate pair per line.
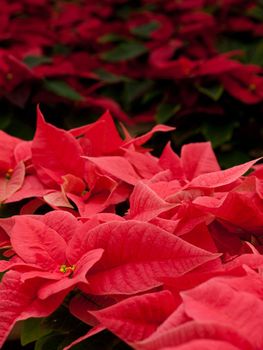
x,y
145,30
62,89
1,275
33,329
60,49
166,111
210,9
5,120
214,92
109,38
124,12
218,133
253,50
256,12
34,61
134,89
150,95
149,7
50,342
125,51
109,77
256,55
226,44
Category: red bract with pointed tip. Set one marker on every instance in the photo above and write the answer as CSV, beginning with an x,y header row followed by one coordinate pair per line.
x,y
51,148
18,302
135,318
196,159
93,177
231,307
48,267
17,178
165,252
223,177
10,184
145,204
58,251
12,173
192,317
244,84
141,251
52,250
8,145
42,250
99,138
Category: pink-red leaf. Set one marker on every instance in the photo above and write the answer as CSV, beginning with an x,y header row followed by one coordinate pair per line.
x,y
18,302
8,144
198,158
82,304
36,243
221,178
135,318
140,140
145,164
82,267
145,204
136,255
64,223
57,199
51,148
216,301
170,160
116,166
32,187
9,186
243,210
191,331
99,138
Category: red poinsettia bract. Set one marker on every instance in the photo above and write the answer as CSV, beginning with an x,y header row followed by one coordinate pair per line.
x,y
165,252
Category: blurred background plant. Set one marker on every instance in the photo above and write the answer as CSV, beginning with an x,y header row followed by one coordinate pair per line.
x,y
193,64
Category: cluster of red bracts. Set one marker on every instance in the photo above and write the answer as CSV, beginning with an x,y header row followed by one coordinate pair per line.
x,y
180,269
62,51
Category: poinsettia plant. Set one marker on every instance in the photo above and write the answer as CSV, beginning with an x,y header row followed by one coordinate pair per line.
x,y
195,62
106,245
